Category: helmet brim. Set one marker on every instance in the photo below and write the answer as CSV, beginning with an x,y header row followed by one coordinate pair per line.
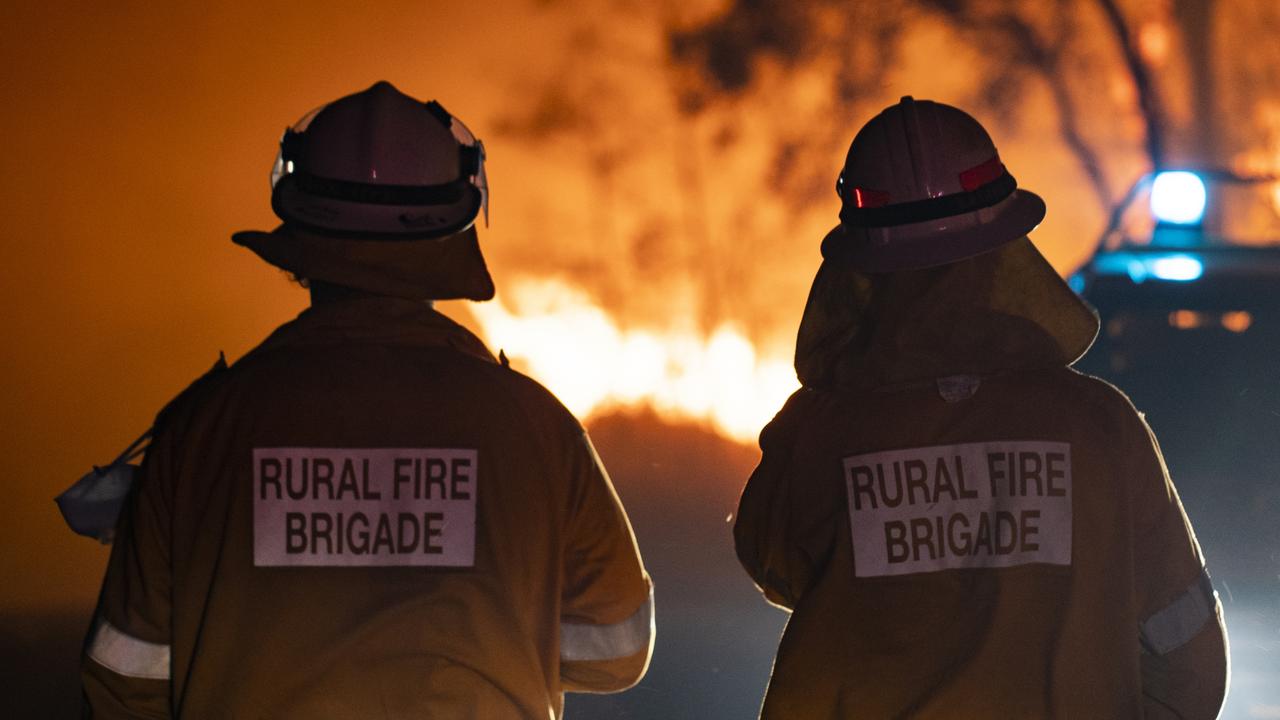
x,y
447,268
936,243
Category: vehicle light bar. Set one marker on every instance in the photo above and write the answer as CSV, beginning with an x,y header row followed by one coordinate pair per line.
x,y
1178,198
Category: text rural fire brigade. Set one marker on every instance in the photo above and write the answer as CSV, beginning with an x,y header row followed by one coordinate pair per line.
x,y
991,504
364,506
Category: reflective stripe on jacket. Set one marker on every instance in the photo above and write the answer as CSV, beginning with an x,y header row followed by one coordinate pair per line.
x,y
243,584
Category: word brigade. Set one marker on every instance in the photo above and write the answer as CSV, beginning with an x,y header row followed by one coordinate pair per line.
x,y
364,506
994,504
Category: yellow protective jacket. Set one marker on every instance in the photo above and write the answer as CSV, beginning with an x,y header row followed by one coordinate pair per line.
x,y
368,517
964,527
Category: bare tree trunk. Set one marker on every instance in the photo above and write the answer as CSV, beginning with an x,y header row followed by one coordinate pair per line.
x,y
695,224
1046,59
1069,128
1195,18
1148,98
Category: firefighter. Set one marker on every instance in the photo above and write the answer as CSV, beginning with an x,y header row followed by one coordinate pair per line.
x,y
368,515
961,525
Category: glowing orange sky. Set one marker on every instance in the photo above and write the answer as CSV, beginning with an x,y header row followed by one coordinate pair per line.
x,y
138,136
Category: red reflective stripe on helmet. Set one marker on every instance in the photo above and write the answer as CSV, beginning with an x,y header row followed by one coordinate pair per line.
x,y
979,175
864,198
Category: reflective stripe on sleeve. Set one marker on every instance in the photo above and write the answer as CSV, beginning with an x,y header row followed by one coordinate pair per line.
x,y
583,641
1179,622
127,655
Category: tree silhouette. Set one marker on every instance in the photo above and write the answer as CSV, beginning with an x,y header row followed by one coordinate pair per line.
x,y
1021,40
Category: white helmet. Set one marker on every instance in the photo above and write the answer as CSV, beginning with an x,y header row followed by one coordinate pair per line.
x,y
922,186
380,163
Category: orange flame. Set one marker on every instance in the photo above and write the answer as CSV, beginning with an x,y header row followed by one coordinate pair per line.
x,y
580,353
1154,41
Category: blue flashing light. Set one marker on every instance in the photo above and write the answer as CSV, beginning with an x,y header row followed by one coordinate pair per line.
x,y
1137,270
1144,266
1077,283
1178,197
1179,268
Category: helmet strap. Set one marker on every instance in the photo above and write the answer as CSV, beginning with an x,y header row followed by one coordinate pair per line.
x,y
930,208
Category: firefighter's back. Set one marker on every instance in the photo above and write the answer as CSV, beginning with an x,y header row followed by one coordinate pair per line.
x,y
368,523
1000,579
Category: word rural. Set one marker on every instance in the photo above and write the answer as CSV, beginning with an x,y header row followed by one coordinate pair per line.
x,y
994,504
364,506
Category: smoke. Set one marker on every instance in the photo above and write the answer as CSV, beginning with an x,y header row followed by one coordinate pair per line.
x,y
686,158
691,156
692,149
672,161
725,49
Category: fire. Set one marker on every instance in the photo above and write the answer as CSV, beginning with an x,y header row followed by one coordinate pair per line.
x,y
578,351
1154,42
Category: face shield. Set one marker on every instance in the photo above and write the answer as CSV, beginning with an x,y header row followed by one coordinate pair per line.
x,y
479,179
281,166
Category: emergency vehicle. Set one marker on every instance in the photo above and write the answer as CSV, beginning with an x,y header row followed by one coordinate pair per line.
x,y
1186,279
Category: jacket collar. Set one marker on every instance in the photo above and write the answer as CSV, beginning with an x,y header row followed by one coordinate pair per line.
x,y
375,320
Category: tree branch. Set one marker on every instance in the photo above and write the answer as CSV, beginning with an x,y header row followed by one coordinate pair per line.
x,y
1148,100
1046,59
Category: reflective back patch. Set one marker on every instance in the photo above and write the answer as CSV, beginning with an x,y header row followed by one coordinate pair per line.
x,y
977,505
364,506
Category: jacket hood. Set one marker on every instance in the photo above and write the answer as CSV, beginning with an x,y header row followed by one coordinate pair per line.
x,y
447,268
1001,310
